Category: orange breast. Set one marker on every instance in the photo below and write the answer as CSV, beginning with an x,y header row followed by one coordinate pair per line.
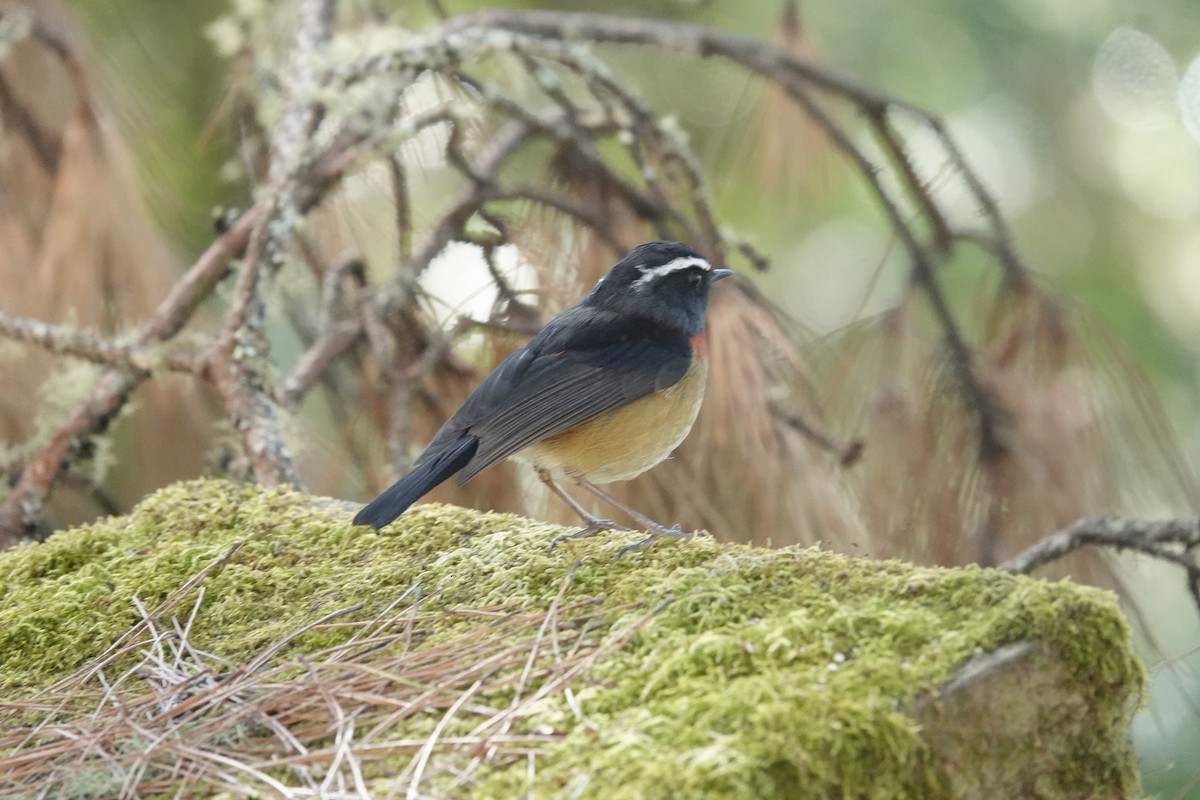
x,y
625,443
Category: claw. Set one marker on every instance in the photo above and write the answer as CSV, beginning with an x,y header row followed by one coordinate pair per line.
x,y
633,548
659,532
594,525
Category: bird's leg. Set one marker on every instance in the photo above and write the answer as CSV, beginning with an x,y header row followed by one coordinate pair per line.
x,y
594,524
655,530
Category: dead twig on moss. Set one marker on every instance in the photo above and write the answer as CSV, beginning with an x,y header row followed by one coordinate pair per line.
x,y
201,722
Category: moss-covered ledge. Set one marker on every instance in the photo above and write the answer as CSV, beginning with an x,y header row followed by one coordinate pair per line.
x,y
693,669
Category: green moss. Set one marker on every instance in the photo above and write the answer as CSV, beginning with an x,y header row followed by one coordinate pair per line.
x,y
779,673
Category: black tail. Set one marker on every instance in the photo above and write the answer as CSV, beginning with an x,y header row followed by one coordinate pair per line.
x,y
412,487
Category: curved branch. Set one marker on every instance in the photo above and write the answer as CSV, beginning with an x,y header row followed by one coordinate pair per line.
x,y
1172,540
686,38
763,58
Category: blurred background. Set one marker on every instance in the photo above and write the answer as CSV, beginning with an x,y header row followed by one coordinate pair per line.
x,y
1082,117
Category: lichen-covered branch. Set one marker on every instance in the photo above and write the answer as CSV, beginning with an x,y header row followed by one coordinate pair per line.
x,y
91,416
237,364
66,341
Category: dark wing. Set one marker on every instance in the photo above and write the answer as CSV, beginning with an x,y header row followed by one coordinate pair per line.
x,y
583,364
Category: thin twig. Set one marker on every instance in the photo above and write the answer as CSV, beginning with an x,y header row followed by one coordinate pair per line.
x,y
109,654
1172,540
335,336
93,347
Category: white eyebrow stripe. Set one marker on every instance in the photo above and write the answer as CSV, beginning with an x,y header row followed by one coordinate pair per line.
x,y
683,262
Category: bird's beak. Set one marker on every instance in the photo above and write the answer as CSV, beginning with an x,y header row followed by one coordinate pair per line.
x,y
717,274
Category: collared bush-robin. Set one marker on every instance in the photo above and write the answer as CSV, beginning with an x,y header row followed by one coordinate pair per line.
x,y
608,389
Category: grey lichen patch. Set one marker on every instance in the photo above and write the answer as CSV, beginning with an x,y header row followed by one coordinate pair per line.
x,y
785,673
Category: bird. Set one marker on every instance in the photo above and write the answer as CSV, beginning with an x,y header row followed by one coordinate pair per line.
x,y
602,393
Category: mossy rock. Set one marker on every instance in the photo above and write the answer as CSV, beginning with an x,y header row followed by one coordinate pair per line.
x,y
699,670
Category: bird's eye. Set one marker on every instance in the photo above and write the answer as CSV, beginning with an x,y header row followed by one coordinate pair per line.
x,y
695,279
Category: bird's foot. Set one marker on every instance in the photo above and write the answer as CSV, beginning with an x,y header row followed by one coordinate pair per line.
x,y
659,532
594,525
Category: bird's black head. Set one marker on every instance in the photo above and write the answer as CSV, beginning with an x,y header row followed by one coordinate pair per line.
x,y
666,282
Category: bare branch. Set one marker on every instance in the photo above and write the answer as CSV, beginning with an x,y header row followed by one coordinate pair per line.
x,y
92,415
63,340
334,336
581,139
688,39
798,78
848,452
1172,540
